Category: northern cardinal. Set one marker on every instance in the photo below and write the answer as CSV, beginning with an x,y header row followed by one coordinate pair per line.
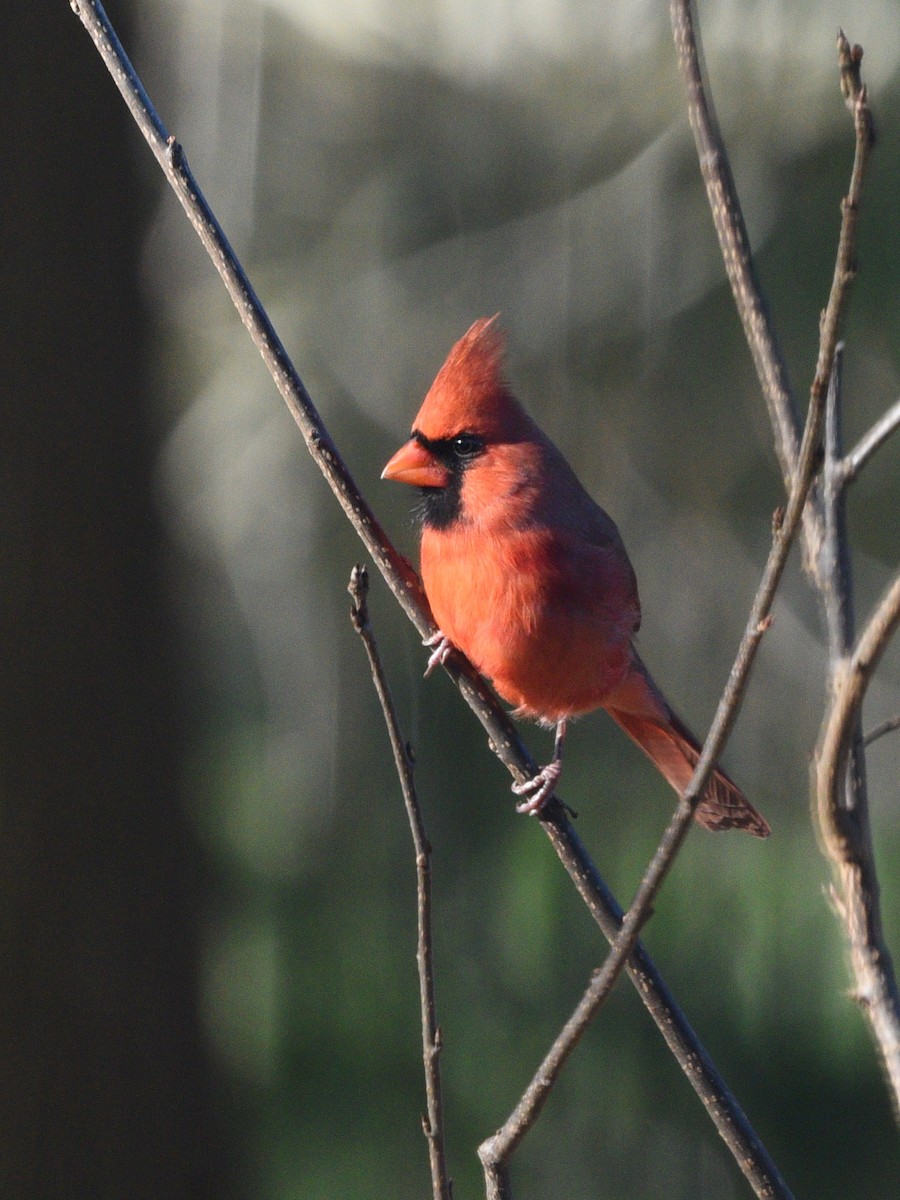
x,y
529,578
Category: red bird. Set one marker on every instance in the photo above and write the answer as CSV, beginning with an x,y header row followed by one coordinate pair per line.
x,y
530,579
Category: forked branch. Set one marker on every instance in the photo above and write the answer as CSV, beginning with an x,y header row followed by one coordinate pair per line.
x,y
841,796
802,474
841,791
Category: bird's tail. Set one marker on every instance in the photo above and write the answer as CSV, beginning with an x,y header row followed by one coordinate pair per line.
x,y
647,718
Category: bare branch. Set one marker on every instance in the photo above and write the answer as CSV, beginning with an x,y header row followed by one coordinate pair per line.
x,y
870,442
835,568
852,87
785,529
840,775
400,576
735,244
888,726
731,1122
496,1176
433,1123
854,676
847,838
845,266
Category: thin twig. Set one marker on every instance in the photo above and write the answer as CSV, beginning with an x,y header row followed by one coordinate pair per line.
x,y
845,265
734,243
433,1123
889,726
835,567
857,458
784,532
851,681
400,576
836,573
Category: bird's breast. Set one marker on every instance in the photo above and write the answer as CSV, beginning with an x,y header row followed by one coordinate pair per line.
x,y
547,619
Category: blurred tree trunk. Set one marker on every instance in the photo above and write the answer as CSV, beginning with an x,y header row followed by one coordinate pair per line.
x,y
104,1088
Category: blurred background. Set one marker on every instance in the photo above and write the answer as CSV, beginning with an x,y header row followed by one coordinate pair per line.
x,y
207,910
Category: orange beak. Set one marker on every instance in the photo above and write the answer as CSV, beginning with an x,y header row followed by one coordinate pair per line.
x,y
414,464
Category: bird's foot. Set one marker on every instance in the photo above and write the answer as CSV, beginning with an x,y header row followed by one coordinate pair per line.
x,y
441,647
541,786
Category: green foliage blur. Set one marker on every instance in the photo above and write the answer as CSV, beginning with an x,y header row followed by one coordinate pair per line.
x,y
388,173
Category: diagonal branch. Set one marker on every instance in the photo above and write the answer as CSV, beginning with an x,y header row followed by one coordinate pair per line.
x,y
681,1039
496,1152
433,1123
786,526
735,243
857,458
723,1108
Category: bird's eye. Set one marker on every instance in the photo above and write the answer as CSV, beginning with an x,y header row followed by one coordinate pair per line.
x,y
467,445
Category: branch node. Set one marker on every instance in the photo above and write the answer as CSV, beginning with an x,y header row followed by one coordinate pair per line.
x,y
358,587
174,153
850,62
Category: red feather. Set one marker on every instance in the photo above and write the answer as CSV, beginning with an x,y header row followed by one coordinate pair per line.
x,y
530,578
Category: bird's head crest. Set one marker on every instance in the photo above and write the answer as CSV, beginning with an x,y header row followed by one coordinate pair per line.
x,y
469,391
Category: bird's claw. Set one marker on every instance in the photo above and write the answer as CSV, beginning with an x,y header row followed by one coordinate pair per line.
x,y
441,647
541,785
